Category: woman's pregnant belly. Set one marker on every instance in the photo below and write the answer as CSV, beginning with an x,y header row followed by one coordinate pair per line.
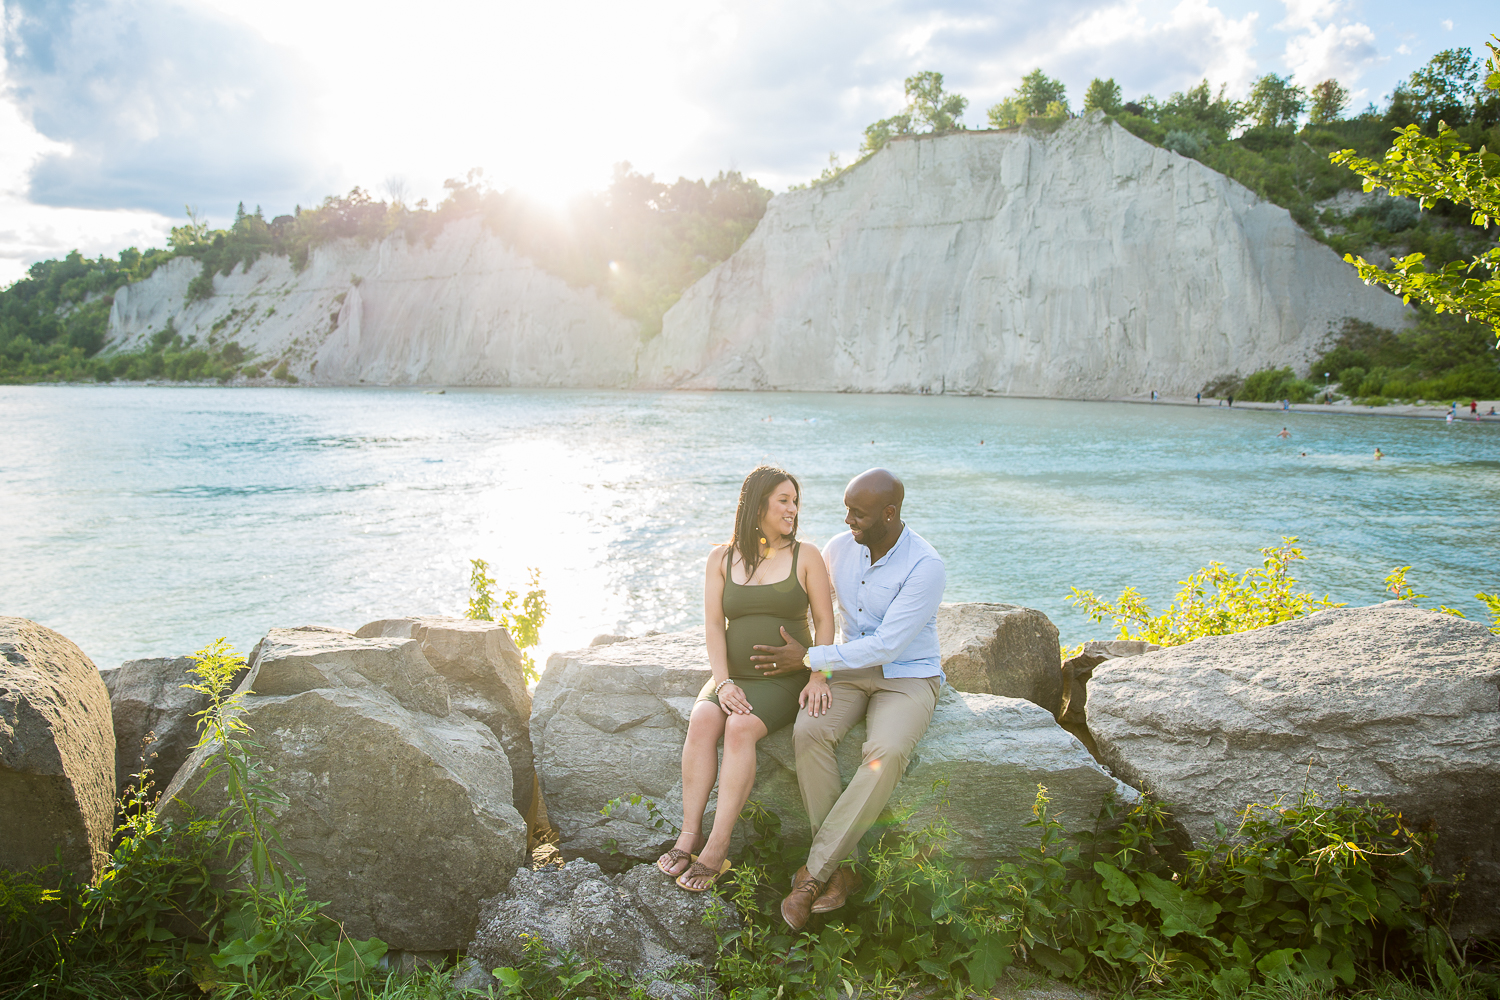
x,y
748,631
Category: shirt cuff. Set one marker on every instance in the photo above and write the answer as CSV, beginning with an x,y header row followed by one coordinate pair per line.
x,y
822,658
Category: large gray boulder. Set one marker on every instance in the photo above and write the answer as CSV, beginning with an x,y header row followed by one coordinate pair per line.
x,y
1001,649
486,681
638,921
609,721
149,696
1401,704
400,810
57,753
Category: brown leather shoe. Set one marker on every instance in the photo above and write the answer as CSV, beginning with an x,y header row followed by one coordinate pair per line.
x,y
797,906
841,886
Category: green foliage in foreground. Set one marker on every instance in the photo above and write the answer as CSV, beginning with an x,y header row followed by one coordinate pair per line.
x,y
1328,893
1213,601
523,617
1434,169
163,919
1304,895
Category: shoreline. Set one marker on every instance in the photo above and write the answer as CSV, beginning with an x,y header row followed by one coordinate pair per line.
x,y
1343,408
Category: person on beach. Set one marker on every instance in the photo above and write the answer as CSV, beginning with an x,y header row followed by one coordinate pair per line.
x,y
1200,399
888,582
1231,399
758,587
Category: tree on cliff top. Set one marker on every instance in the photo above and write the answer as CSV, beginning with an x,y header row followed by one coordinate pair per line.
x,y
1038,96
1275,102
1102,95
1433,169
928,109
1329,99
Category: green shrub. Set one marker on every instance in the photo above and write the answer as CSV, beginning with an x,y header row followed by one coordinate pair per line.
x,y
523,617
158,921
1351,378
1329,893
1213,601
1190,144
1275,384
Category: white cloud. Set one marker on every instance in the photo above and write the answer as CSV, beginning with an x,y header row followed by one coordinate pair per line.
x,y
31,232
1339,51
1193,42
1447,24
1403,50
1325,44
158,103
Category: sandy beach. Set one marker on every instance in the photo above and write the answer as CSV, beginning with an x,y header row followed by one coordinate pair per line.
x,y
1341,408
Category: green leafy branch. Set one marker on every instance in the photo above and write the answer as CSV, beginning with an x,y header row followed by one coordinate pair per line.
x,y
522,616
1213,601
1430,169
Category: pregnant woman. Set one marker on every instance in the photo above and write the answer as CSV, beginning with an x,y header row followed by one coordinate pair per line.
x,y
759,583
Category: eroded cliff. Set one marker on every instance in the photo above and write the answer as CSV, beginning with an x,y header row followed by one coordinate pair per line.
x,y
1087,263
466,310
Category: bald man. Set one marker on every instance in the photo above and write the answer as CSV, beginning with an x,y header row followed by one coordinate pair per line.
x,y
888,583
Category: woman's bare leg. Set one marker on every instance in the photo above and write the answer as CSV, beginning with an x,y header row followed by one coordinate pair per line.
x,y
736,779
700,766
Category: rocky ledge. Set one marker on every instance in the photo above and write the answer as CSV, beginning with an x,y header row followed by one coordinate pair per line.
x,y
406,752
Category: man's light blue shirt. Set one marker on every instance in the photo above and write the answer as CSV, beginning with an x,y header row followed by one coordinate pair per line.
x,y
889,610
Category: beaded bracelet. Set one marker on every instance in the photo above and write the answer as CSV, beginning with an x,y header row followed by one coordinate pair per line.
x,y
727,680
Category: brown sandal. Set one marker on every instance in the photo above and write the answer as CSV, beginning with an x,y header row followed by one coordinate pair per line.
x,y
699,870
672,857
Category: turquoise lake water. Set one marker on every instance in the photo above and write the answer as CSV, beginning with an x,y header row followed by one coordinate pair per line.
x,y
148,521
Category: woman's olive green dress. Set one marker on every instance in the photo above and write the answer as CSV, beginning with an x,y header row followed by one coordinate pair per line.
x,y
756,616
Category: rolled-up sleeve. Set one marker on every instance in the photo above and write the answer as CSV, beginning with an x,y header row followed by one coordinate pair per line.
x,y
910,611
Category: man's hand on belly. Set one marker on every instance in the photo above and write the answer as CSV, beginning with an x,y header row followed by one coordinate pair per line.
x,y
774,661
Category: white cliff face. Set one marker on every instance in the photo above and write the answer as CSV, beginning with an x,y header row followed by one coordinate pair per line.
x,y
467,310
1083,264
1087,263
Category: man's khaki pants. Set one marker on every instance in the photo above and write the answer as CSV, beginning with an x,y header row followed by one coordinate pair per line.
x,y
896,711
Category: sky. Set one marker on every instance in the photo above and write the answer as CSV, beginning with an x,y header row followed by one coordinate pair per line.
x,y
116,114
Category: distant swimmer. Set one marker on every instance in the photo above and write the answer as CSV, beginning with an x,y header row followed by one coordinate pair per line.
x,y
1378,453
1450,416
1284,433
1303,455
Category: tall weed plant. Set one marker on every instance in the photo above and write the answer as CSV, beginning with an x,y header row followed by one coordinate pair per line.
x,y
522,616
190,906
1213,601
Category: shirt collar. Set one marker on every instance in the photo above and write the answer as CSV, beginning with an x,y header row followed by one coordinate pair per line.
x,y
900,540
